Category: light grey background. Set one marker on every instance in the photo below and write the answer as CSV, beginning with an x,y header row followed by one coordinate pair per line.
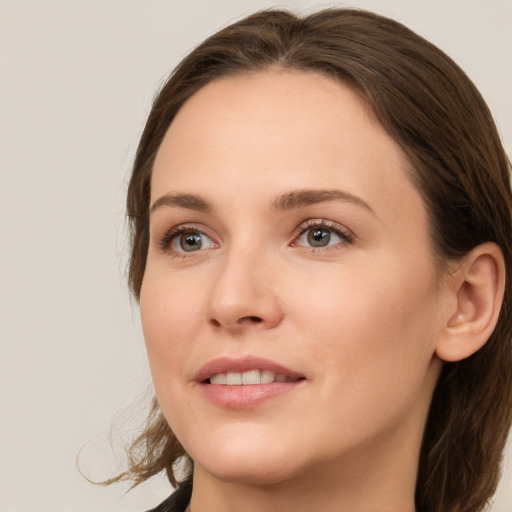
x,y
77,79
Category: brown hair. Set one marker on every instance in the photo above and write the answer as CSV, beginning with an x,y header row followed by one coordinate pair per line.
x,y
429,107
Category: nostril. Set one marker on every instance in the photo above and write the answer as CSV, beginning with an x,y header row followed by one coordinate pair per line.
x,y
253,319
245,320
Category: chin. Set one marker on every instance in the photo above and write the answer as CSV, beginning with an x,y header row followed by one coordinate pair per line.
x,y
247,463
250,473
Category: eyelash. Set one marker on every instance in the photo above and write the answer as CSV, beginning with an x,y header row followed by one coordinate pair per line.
x,y
343,233
166,240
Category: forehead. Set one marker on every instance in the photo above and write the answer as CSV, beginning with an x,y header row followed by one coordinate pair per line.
x,y
280,99
279,130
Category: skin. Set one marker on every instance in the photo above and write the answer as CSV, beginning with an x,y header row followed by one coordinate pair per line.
x,y
359,318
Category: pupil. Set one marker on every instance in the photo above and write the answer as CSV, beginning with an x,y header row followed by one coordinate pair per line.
x,y
190,242
319,237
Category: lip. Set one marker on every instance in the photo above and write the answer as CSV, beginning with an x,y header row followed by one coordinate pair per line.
x,y
243,364
245,396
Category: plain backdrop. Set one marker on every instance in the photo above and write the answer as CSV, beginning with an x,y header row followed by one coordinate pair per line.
x,y
77,80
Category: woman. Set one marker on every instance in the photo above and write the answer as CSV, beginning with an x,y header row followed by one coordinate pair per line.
x,y
321,248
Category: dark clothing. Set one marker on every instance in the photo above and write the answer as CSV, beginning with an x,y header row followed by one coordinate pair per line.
x,y
177,501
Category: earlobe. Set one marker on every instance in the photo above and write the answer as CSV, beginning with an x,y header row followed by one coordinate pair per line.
x,y
478,285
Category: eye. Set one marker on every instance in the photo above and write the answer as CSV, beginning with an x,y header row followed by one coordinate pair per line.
x,y
319,237
320,234
189,240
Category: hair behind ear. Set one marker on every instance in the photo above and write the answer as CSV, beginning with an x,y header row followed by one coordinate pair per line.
x,y
471,410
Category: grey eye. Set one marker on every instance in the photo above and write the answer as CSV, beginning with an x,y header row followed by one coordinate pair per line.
x,y
319,237
190,241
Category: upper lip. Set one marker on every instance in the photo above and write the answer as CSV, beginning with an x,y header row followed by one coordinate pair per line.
x,y
243,364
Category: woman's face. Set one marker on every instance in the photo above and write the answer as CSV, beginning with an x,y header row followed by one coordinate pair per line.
x,y
289,251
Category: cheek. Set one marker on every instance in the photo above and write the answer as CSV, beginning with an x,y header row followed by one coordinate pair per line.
x,y
373,330
169,314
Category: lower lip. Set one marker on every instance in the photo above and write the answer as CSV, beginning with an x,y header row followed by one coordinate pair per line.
x,y
245,397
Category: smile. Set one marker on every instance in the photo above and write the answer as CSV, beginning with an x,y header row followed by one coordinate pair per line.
x,y
245,382
249,378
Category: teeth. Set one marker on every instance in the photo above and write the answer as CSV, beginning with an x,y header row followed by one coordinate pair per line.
x,y
267,377
248,378
234,379
220,378
251,377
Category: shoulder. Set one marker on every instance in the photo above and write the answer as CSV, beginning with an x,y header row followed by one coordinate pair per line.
x,y
177,501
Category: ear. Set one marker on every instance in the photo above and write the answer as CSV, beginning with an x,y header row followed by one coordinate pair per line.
x,y
477,286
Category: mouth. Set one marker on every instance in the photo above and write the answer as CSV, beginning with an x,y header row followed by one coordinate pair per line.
x,y
246,382
245,371
250,378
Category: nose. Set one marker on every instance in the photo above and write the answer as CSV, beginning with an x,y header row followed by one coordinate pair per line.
x,y
244,295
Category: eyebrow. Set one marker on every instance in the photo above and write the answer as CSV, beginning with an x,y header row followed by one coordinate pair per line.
x,y
301,198
189,201
286,201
